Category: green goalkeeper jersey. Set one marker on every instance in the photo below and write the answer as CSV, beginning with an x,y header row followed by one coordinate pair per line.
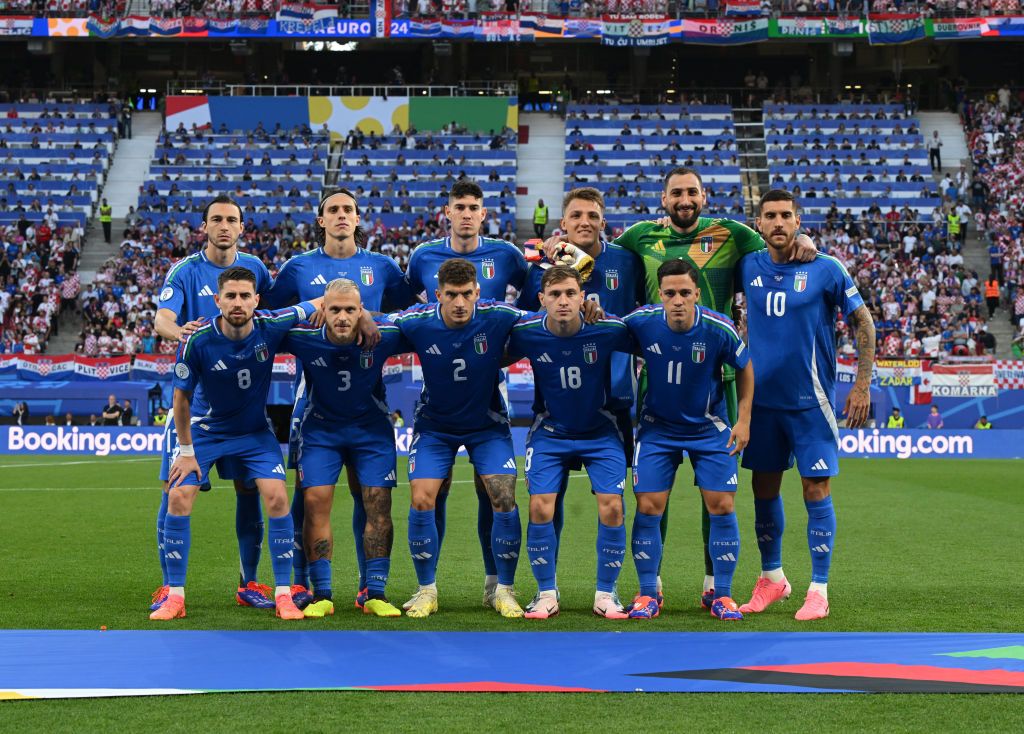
x,y
714,248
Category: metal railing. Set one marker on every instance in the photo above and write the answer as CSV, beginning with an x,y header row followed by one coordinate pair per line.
x,y
465,89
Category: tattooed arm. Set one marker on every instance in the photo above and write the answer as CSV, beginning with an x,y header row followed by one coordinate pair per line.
x,y
858,402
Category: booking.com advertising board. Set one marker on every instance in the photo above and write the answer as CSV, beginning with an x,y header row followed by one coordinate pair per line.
x,y
869,443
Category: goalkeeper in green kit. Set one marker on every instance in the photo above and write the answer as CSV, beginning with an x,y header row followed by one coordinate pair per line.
x,y
714,247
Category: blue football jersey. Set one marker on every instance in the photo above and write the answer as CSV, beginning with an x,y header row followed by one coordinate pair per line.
x,y
684,369
460,366
344,382
572,374
304,277
498,264
234,375
791,327
617,286
191,284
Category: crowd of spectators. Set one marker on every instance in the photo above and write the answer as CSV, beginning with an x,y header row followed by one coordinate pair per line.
x,y
38,279
64,8
995,130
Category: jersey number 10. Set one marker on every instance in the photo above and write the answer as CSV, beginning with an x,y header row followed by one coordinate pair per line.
x,y
775,303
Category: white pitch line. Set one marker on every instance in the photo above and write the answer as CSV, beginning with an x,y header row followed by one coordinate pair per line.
x,y
73,463
148,487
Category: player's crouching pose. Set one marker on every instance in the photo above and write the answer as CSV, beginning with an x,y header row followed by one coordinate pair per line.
x,y
232,358
571,370
460,343
791,315
685,347
345,422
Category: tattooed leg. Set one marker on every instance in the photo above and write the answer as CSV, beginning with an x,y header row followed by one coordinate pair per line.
x,y
379,533
316,530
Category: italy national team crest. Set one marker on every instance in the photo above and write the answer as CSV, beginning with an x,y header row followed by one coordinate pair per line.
x,y
487,269
611,280
480,343
800,282
366,276
707,244
698,352
590,353
366,360
262,353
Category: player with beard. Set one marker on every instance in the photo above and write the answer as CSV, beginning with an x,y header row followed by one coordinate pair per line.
x,y
303,277
714,246
188,294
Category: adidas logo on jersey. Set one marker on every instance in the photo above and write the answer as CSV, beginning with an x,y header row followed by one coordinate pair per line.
x,y
319,362
726,557
205,291
544,358
756,282
435,350
219,366
279,469
318,280
654,348
510,464
821,548
733,480
820,465
390,477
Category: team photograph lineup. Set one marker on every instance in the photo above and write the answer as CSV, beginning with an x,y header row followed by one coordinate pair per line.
x,y
719,339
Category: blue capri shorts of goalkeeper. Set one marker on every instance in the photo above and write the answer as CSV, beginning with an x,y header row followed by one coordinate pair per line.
x,y
778,437
325,446
432,451
660,450
257,454
549,459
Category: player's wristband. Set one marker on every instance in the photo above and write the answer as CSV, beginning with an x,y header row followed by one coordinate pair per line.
x,y
186,449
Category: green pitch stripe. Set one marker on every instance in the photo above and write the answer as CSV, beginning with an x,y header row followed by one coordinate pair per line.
x,y
1013,652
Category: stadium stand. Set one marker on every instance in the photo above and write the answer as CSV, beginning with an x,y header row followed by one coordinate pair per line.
x,y
271,173
398,177
994,128
54,161
848,160
626,151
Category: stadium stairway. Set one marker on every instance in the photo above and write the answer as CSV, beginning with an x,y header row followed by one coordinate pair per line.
x,y
951,133
541,166
131,162
749,123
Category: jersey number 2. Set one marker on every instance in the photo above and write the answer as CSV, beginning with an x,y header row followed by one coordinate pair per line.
x,y
460,368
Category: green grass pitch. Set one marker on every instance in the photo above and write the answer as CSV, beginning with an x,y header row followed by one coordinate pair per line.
x,y
924,546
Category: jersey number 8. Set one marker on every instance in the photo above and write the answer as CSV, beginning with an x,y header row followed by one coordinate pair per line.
x,y
244,379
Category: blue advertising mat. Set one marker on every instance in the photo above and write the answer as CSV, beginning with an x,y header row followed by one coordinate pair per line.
x,y
70,663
